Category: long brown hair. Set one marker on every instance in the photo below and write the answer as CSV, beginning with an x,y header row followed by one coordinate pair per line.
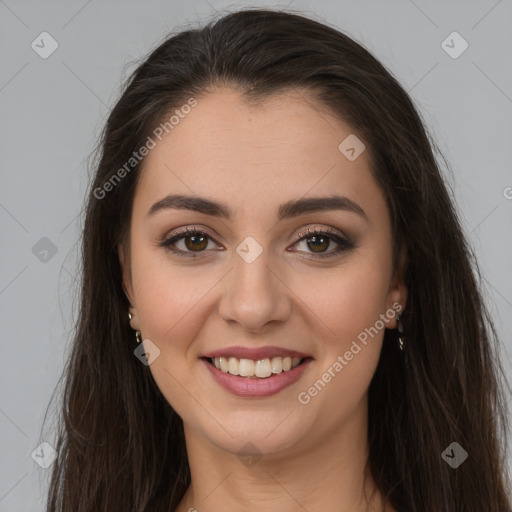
x,y
120,444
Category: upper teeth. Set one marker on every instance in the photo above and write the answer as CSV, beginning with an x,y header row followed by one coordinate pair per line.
x,y
261,368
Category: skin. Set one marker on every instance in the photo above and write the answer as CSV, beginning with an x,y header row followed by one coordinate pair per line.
x,y
255,159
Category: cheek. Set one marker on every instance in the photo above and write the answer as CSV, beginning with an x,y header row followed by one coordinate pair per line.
x,y
170,297
347,299
349,331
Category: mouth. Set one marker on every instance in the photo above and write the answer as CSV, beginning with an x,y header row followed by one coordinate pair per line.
x,y
264,368
260,378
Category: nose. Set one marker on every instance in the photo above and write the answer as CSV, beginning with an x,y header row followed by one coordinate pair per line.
x,y
255,294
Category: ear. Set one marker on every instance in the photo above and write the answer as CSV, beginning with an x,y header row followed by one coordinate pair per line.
x,y
127,286
126,272
397,296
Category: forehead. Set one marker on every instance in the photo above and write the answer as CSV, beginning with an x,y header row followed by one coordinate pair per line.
x,y
251,156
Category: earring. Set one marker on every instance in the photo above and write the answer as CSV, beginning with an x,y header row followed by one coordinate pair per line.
x,y
400,328
137,333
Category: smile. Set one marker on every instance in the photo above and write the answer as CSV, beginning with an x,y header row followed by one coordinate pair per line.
x,y
261,368
256,378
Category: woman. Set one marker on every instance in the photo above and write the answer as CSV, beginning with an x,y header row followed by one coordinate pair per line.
x,y
279,309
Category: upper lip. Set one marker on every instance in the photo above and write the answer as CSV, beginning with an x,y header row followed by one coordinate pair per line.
x,y
255,353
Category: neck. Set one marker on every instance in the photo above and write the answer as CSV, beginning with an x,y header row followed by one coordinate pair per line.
x,y
326,473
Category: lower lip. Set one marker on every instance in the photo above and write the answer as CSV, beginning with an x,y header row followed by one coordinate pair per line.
x,y
256,387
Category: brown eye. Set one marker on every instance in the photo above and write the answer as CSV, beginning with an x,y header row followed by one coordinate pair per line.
x,y
318,241
194,243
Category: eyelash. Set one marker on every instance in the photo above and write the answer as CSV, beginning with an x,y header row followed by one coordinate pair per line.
x,y
343,243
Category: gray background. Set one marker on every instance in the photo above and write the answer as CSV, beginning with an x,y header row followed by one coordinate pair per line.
x,y
52,110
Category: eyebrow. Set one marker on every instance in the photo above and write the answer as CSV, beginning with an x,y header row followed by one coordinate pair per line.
x,y
290,209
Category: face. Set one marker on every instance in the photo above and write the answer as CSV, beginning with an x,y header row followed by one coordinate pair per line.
x,y
261,277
